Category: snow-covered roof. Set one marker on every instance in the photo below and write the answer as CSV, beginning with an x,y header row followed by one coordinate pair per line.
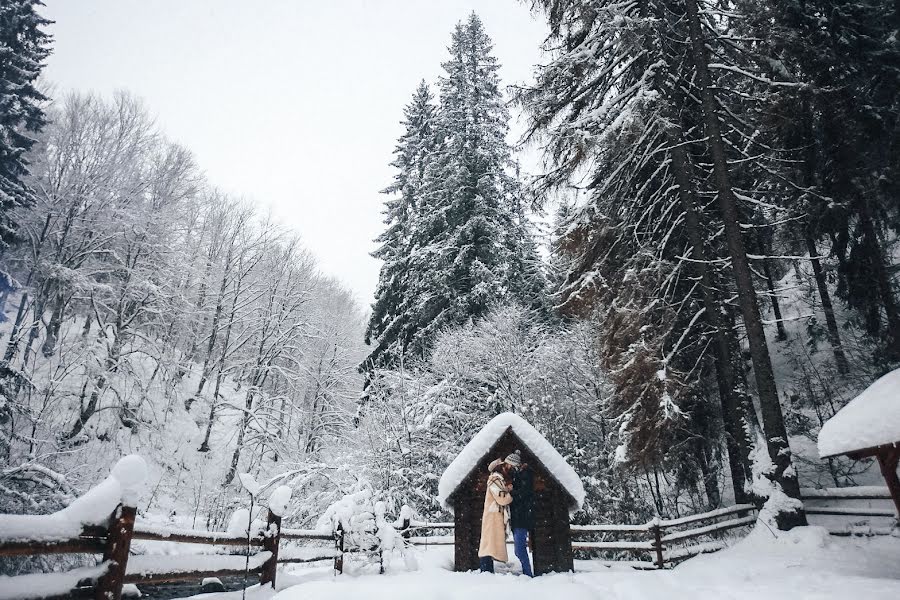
x,y
871,419
484,440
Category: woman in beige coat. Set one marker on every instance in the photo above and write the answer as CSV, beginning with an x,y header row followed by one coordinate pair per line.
x,y
495,516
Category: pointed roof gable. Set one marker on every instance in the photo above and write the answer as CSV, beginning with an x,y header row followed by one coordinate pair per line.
x,y
470,456
871,419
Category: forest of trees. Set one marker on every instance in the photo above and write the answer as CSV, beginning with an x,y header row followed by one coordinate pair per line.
x,y
720,184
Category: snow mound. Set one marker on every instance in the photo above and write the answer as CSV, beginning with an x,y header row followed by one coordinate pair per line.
x,y
870,419
481,444
239,522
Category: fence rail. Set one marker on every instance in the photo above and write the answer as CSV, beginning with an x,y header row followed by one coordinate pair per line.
x,y
661,542
658,538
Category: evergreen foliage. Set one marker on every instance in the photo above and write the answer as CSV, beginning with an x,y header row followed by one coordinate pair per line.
x,y
23,48
458,240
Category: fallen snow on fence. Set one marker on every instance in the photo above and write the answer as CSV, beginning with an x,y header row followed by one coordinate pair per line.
x,y
42,585
93,508
862,492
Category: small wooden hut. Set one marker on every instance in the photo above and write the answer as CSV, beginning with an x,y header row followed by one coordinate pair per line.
x,y
869,426
558,493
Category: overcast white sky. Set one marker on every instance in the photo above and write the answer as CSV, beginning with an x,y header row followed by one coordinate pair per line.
x,y
294,104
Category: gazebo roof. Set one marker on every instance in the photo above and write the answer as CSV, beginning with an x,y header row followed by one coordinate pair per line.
x,y
869,421
470,457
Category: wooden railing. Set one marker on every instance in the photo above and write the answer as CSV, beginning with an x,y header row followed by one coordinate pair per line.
x,y
262,554
663,540
416,533
844,502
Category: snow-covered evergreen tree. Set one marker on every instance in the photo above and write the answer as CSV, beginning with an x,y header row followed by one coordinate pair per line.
x,y
23,48
389,324
458,240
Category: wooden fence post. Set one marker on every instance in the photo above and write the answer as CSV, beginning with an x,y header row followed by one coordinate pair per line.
x,y
118,543
657,544
271,539
339,546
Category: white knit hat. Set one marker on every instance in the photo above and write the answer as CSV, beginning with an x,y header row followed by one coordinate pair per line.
x,y
514,459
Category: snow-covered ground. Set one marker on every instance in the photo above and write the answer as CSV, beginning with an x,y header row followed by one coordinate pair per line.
x,y
803,564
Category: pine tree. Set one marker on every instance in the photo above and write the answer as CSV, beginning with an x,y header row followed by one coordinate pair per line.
x,y
388,324
474,233
846,138
627,100
23,49
458,240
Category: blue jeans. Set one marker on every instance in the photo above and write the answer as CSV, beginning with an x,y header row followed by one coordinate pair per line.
x,y
520,540
487,564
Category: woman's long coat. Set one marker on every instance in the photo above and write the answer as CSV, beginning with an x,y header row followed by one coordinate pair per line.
x,y
493,520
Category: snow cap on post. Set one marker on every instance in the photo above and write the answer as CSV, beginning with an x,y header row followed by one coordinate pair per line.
x,y
279,500
484,440
130,472
869,420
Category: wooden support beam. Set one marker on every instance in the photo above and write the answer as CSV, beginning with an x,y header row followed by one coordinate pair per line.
x,y
339,546
197,537
118,543
74,546
658,545
888,458
271,537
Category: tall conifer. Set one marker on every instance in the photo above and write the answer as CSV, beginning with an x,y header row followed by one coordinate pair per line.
x,y
23,49
458,240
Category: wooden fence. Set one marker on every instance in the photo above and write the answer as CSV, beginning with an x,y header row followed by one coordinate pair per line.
x,y
661,543
261,556
845,504
663,540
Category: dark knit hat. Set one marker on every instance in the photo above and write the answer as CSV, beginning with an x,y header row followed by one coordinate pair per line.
x,y
514,459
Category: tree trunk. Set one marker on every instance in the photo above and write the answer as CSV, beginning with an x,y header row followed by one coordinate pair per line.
x,y
882,279
12,346
223,356
710,481
736,441
770,286
834,336
214,329
777,444
88,411
51,336
236,456
808,175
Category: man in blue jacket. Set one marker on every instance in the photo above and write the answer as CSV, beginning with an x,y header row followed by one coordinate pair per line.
x,y
521,514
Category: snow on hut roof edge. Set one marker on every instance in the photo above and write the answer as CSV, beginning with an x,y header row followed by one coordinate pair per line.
x,y
869,420
485,439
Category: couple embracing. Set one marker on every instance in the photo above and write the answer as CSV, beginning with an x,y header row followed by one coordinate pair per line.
x,y
509,500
